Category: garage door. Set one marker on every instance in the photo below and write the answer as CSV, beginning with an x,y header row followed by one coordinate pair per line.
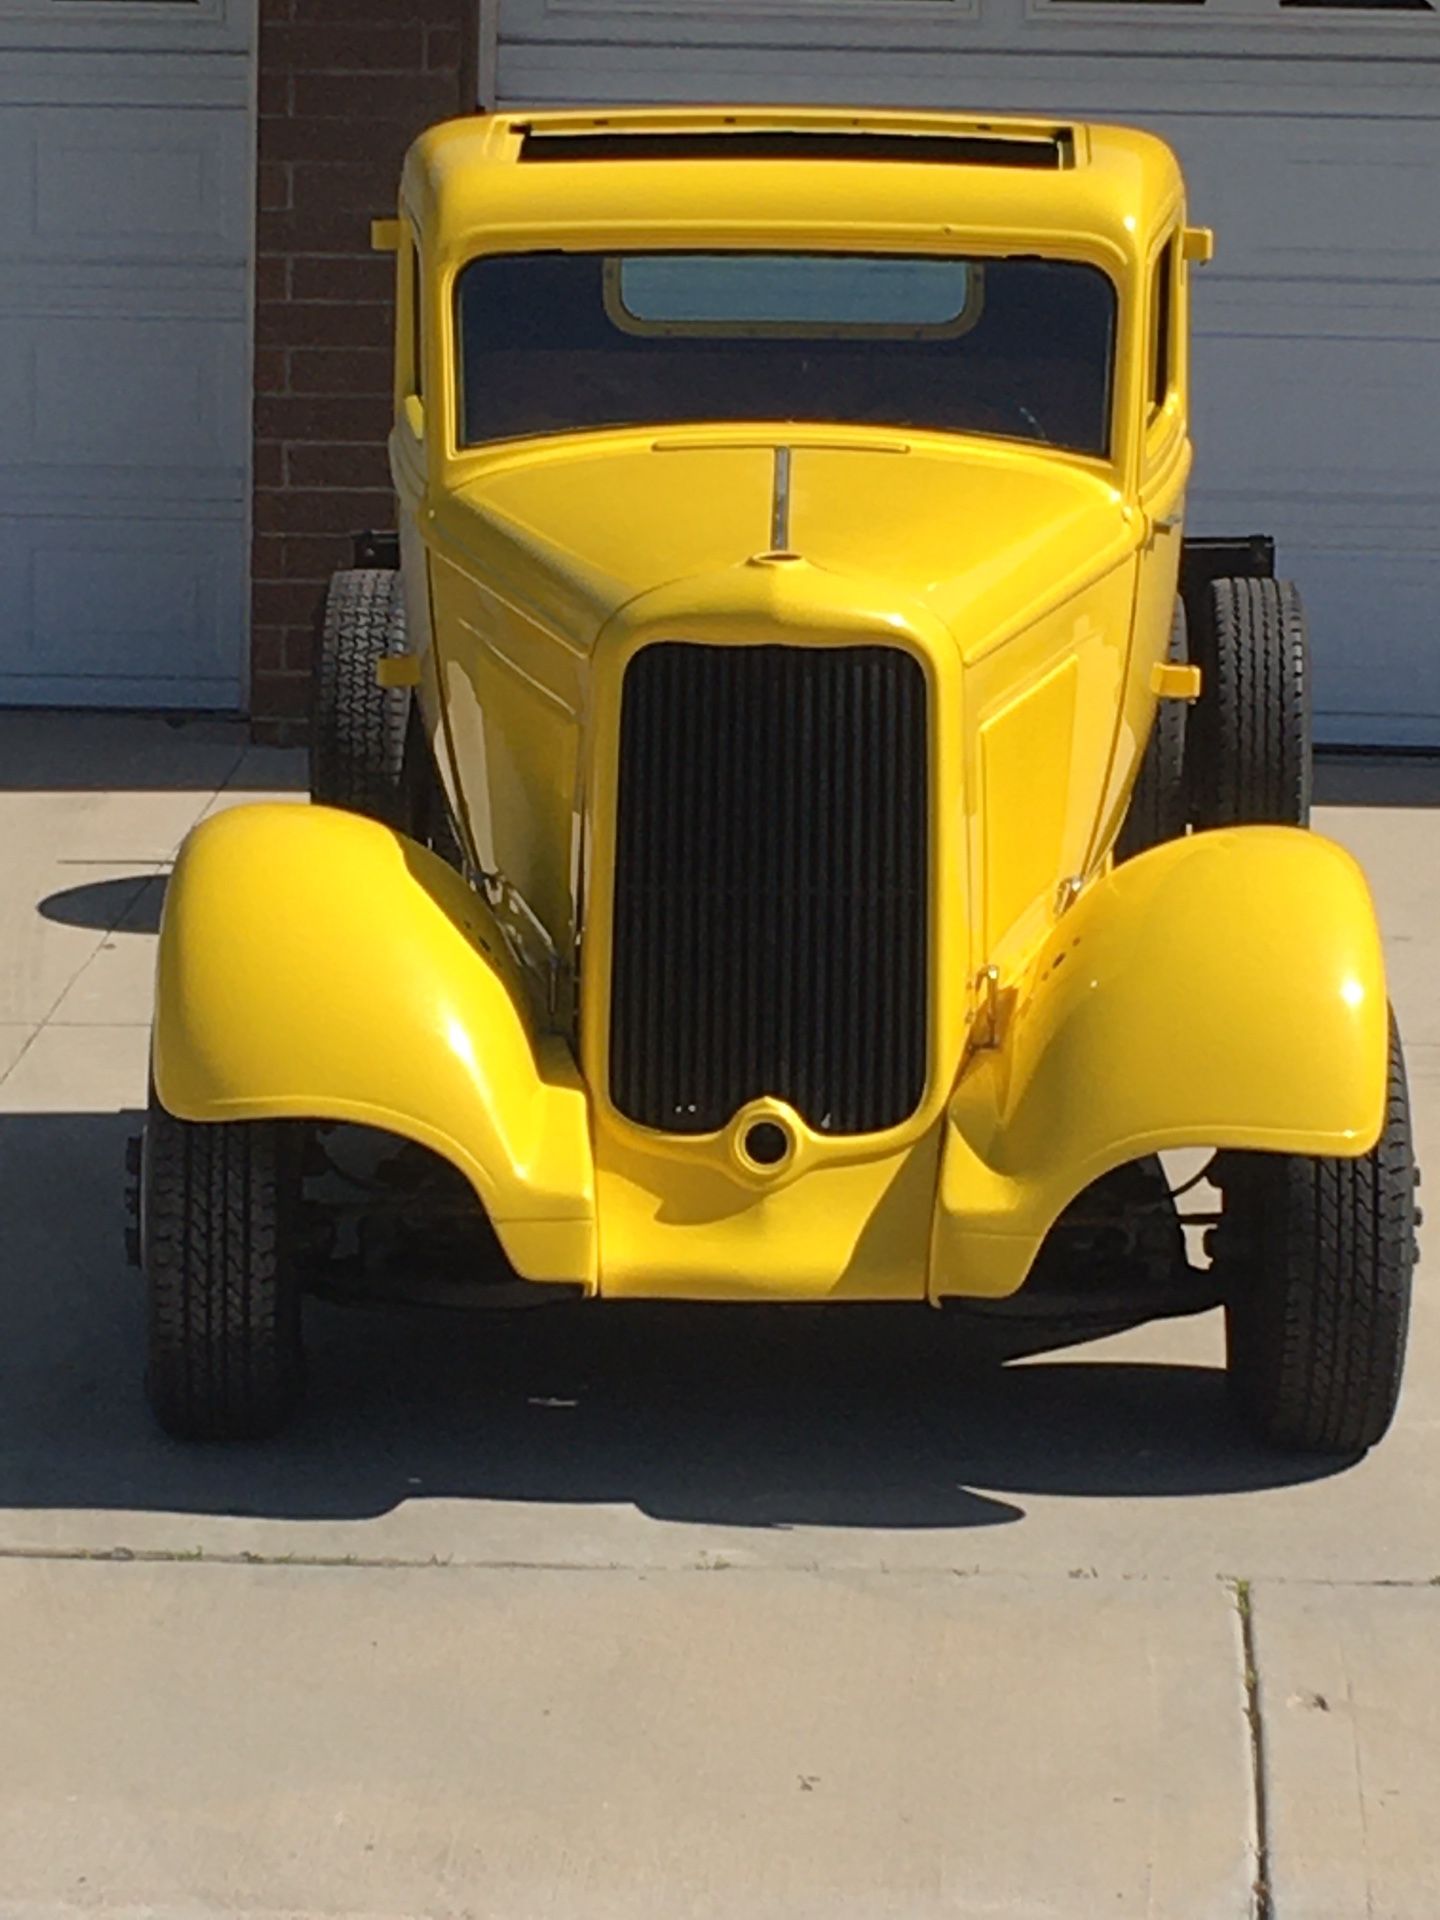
x,y
125,147
1309,131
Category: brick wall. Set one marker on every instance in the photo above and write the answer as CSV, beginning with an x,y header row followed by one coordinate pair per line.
x,y
345,85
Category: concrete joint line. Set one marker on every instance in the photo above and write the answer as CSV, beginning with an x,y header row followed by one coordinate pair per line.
x,y
1262,1905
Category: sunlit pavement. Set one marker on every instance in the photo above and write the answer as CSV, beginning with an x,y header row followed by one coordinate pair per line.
x,y
614,1612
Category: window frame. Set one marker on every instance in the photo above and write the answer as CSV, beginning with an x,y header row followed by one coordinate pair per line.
x,y
639,326
410,287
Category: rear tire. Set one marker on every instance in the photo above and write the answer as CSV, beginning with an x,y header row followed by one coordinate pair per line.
x,y
358,729
218,1232
1249,759
1158,803
1314,1258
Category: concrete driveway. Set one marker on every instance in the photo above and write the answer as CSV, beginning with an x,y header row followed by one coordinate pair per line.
x,y
647,1614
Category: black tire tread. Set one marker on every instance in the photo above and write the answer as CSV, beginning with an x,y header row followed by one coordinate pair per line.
x,y
1251,758
358,728
1317,1267
224,1346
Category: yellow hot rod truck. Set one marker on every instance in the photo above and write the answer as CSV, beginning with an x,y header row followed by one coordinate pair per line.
x,y
794,819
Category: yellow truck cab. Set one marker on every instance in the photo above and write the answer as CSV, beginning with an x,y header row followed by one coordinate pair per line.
x,y
795,820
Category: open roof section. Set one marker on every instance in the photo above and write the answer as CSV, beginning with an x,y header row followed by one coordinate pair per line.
x,y
757,176
961,146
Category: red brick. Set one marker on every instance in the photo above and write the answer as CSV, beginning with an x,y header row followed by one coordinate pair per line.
x,y
361,47
364,188
415,98
347,12
345,85
269,458
443,49
267,649
272,369
284,603
364,277
272,277
272,186
282,696
306,556
321,231
282,138
273,93
291,323
356,468
300,641
340,370
307,560
344,419
323,510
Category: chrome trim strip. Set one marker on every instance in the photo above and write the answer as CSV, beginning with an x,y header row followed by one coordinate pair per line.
x,y
780,510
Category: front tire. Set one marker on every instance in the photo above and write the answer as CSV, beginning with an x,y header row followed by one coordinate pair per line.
x,y
1314,1258
219,1205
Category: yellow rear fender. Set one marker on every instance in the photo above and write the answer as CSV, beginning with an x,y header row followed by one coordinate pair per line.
x,y
316,965
1226,990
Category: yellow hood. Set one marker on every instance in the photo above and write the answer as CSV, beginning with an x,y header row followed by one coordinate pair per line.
x,y
981,536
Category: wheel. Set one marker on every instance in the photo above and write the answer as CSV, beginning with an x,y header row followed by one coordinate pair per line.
x,y
1158,805
1314,1259
358,729
218,1217
1249,759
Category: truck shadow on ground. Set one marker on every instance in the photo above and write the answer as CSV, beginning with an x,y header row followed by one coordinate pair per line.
x,y
754,1418
124,906
65,751
1377,779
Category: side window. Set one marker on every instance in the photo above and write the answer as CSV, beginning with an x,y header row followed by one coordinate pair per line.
x,y
417,328
1162,312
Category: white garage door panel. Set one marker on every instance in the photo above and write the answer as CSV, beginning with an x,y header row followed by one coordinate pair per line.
x,y
1374,620
135,184
128,26
108,599
1302,417
90,400
562,35
971,67
125,372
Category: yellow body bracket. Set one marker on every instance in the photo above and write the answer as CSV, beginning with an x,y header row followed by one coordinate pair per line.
x,y
384,236
403,670
1175,680
1198,245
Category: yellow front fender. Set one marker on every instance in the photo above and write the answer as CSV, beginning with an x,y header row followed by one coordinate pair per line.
x,y
1226,990
316,965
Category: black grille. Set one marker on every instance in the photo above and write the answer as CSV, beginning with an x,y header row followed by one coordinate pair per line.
x,y
771,912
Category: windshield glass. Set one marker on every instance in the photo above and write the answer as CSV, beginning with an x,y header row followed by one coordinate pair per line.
x,y
556,343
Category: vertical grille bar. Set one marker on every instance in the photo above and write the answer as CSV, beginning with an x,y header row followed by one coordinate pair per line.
x,y
771,924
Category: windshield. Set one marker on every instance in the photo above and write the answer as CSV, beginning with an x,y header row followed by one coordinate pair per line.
x,y
555,343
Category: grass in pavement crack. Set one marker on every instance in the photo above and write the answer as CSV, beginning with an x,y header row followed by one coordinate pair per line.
x,y
1262,1906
